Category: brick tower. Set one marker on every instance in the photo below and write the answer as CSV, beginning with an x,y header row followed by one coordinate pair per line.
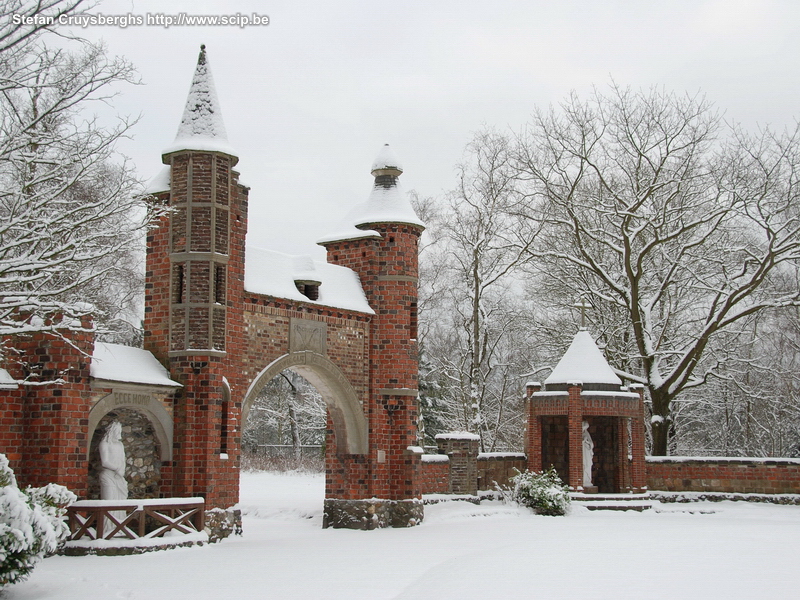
x,y
348,326
382,246
199,250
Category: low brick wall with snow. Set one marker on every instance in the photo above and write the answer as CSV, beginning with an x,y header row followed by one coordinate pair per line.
x,y
496,468
434,477
720,474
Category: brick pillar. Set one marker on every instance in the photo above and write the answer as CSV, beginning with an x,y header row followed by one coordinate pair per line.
x,y
387,264
194,279
386,261
55,417
462,449
638,464
533,437
622,463
575,423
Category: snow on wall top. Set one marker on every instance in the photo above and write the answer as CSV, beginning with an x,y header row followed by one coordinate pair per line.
x,y
387,203
273,273
584,362
115,362
457,435
202,127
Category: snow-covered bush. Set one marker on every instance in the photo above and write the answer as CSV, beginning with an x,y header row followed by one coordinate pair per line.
x,y
31,524
544,492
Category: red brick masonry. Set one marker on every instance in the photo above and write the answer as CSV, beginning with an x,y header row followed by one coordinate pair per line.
x,y
669,474
718,474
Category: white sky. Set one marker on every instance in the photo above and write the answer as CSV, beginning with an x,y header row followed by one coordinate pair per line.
x,y
309,100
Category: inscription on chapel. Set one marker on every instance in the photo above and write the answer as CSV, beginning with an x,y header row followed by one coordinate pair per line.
x,y
308,335
122,398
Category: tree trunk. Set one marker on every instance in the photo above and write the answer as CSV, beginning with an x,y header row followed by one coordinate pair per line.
x,y
661,422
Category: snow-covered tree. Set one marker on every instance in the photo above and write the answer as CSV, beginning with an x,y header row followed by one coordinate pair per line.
x,y
475,317
288,411
676,226
752,405
70,218
31,524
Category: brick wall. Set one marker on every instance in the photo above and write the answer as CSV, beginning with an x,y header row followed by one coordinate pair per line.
x,y
44,427
462,450
672,474
497,468
434,477
743,475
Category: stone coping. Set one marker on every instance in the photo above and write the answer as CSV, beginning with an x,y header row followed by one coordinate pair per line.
x,y
760,460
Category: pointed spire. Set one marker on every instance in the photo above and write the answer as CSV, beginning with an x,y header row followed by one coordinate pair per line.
x,y
202,127
583,361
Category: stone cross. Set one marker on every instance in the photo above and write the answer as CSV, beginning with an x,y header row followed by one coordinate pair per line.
x,y
583,304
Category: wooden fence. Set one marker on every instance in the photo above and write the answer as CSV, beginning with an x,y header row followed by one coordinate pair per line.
x,y
132,519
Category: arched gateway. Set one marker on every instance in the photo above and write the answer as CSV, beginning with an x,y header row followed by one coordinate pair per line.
x,y
220,321
225,319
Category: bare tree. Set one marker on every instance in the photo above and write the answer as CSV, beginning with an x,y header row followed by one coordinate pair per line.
x,y
475,310
70,217
289,413
752,405
678,226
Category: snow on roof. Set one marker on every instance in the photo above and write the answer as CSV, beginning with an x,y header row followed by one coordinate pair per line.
x,y
386,159
115,362
273,274
202,127
387,203
161,182
7,382
584,362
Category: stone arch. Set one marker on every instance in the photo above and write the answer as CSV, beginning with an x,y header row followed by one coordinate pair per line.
x,y
153,409
346,411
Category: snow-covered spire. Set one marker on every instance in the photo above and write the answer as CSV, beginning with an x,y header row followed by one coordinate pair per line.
x,y
583,362
202,127
387,203
386,163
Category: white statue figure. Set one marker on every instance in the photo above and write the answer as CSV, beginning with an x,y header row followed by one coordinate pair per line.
x,y
112,458
588,455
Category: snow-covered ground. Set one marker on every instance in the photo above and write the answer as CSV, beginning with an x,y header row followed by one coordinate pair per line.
x,y
461,551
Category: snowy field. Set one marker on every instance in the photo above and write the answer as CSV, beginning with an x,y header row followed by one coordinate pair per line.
x,y
461,551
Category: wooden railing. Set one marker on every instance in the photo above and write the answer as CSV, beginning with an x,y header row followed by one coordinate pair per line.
x,y
106,519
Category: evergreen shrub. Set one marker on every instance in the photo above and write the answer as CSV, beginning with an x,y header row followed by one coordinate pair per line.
x,y
544,492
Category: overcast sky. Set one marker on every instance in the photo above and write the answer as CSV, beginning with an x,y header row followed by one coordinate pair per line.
x,y
309,99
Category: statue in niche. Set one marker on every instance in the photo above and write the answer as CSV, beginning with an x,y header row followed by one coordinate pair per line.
x,y
588,455
113,485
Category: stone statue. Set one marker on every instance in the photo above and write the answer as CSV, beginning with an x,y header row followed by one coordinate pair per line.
x,y
113,485
588,455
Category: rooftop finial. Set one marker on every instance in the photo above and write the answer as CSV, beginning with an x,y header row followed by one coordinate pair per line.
x,y
201,60
386,163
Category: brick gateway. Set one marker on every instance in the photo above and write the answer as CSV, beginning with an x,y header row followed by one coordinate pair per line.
x,y
225,333
224,320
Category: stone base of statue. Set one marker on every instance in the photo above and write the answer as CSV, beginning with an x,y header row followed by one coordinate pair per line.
x,y
590,489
